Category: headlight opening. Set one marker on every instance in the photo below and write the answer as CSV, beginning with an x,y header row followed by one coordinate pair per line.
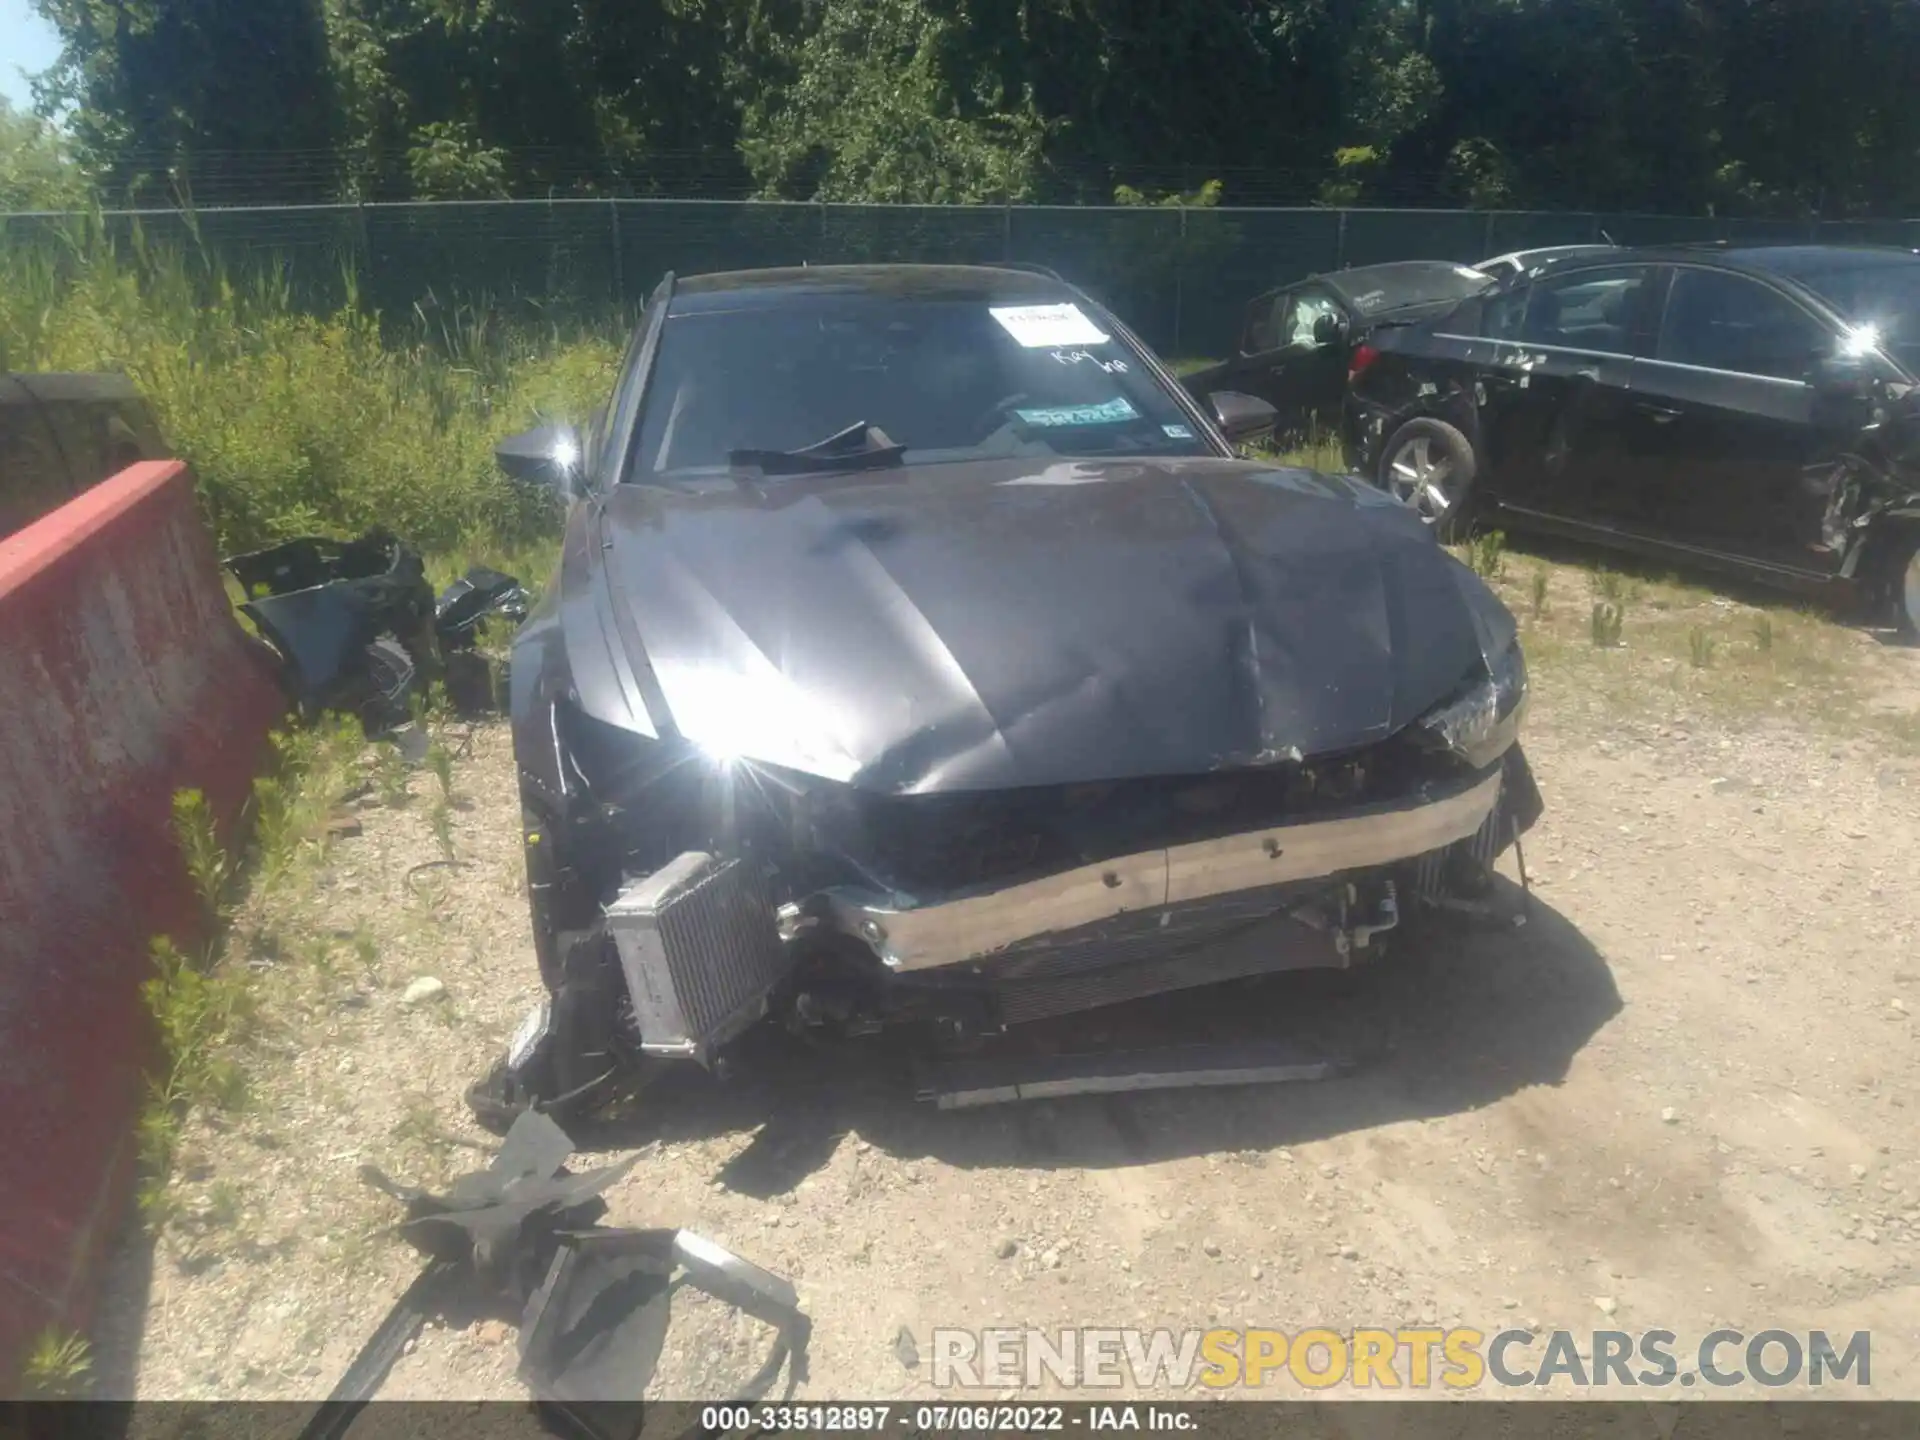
x,y
1481,722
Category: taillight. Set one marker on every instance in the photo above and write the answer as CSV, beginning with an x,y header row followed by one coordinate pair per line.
x,y
1363,356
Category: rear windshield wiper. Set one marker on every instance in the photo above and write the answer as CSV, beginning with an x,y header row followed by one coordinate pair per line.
x,y
858,447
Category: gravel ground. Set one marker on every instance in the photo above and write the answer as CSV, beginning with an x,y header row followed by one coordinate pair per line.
x,y
1684,1097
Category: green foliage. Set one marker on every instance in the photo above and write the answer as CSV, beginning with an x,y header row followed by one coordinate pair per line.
x,y
208,864
1754,105
440,762
57,1366
1542,580
888,103
1608,621
37,170
1763,634
1352,167
440,821
448,161
296,422
1487,554
1204,198
167,92
1700,648
197,1007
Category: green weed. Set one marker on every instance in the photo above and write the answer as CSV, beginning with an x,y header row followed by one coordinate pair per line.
x,y
1763,634
208,863
57,1366
1700,647
392,775
297,422
1607,624
440,762
1538,599
1487,555
440,821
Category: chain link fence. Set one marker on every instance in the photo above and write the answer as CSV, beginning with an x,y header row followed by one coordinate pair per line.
x,y
1179,276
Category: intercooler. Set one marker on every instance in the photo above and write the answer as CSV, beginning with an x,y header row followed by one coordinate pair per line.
x,y
699,946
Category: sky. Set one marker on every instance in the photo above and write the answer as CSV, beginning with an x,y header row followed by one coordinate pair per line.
x,y
27,45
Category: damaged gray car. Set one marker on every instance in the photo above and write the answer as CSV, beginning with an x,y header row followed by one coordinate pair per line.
x,y
923,658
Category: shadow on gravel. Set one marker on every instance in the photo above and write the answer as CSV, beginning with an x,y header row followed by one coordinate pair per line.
x,y
1458,1022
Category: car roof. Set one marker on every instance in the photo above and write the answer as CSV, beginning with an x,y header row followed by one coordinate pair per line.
x,y
1785,259
983,284
1534,252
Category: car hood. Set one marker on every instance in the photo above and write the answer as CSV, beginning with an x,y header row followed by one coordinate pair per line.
x,y
987,625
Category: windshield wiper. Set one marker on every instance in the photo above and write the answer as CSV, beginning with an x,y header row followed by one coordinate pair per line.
x,y
858,447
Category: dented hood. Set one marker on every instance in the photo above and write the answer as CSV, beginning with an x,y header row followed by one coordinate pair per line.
x,y
997,624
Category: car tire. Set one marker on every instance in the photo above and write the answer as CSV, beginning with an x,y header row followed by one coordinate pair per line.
x,y
1431,466
1904,582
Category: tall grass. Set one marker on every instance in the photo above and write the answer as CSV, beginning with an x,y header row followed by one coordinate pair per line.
x,y
296,422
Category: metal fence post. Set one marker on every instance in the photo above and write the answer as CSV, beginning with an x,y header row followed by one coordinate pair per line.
x,y
1180,283
1486,238
1006,230
1340,243
619,257
363,272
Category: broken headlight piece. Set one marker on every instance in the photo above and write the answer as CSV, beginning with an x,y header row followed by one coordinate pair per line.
x,y
1482,721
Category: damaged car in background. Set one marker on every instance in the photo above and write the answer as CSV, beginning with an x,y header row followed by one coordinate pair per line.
x,y
1296,342
923,659
1749,409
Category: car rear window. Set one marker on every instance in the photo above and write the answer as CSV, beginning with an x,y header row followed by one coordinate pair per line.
x,y
1394,287
946,379
1885,298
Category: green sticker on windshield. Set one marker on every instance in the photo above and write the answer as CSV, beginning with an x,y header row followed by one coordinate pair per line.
x,y
1111,413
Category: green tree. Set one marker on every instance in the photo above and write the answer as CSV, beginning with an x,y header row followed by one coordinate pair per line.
x,y
202,99
887,103
37,172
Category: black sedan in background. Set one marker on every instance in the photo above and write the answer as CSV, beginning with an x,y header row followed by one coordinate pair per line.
x,y
1295,341
1752,409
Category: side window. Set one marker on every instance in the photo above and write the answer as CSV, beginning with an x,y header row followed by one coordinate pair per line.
x,y
1501,316
1307,310
1728,322
1262,331
1588,310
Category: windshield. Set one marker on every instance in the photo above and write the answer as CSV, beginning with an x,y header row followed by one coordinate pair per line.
x,y
1883,297
941,379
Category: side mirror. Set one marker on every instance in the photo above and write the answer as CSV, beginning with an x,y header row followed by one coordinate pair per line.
x,y
1327,330
549,455
1242,417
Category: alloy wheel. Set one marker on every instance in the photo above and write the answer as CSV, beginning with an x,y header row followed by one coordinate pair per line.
x,y
1419,474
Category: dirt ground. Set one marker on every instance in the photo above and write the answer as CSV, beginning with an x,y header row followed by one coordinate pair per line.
x,y
1686,1096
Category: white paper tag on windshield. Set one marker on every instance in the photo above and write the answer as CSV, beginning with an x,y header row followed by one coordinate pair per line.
x,y
1039,326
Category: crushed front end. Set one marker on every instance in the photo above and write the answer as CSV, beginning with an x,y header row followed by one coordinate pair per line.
x,y
683,896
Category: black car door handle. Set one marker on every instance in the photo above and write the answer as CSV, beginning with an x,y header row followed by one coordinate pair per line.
x,y
1660,414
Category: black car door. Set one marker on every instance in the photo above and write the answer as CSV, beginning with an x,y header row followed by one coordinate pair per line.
x,y
1554,392
1743,450
1288,357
